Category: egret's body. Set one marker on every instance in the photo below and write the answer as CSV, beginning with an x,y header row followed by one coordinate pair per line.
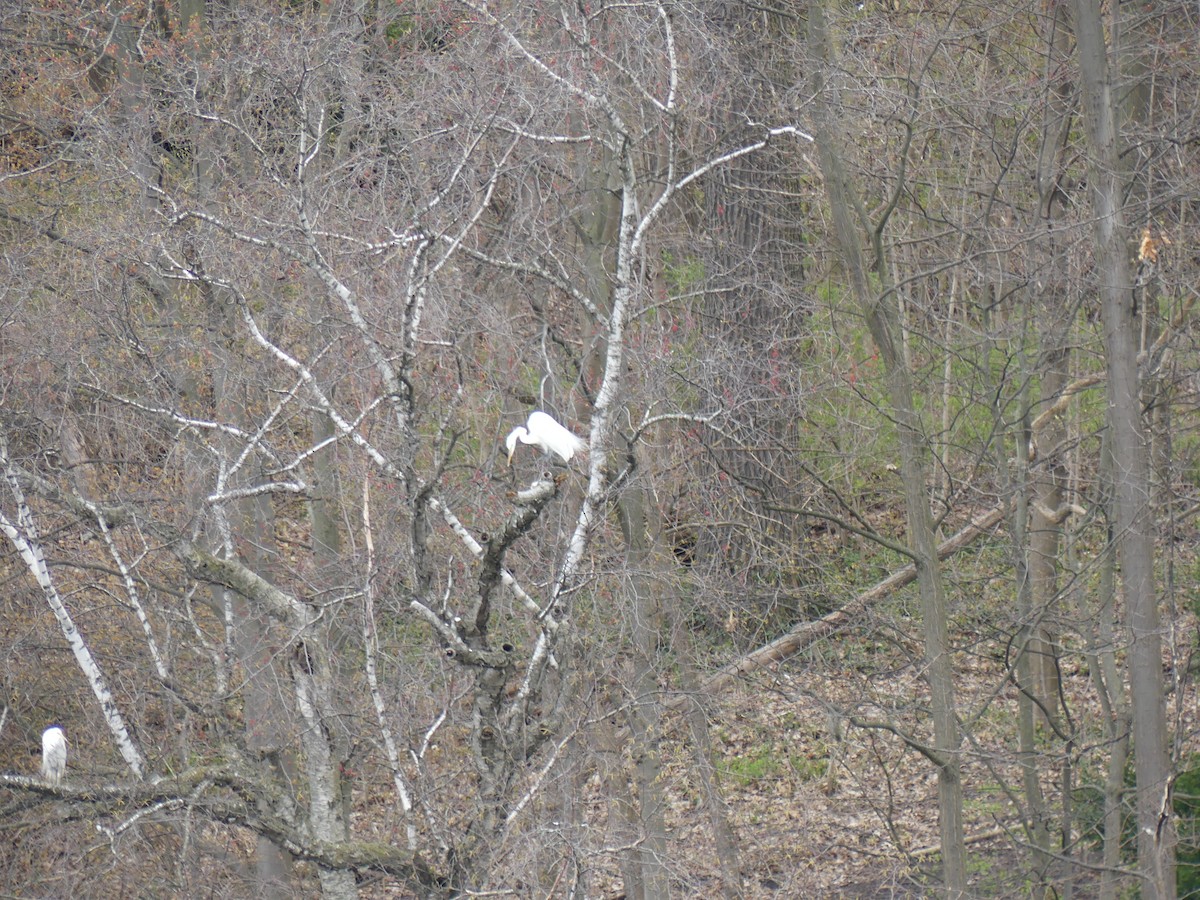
x,y
54,754
543,431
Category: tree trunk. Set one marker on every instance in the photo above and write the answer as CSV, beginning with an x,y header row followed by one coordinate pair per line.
x,y
1037,527
1132,490
1110,687
714,803
1056,304
882,316
645,708
1027,703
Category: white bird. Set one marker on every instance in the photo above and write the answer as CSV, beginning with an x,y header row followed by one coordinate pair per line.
x,y
54,754
543,431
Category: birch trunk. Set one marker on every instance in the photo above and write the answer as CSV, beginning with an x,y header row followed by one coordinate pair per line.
x,y
23,536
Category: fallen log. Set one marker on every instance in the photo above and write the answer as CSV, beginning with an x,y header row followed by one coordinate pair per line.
x,y
807,633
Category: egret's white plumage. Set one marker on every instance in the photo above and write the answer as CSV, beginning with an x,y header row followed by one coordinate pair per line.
x,y
54,754
543,431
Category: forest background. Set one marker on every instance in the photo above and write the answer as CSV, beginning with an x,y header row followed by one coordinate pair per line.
x,y
876,577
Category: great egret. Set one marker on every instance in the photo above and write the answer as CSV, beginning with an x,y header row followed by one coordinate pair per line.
x,y
54,754
543,431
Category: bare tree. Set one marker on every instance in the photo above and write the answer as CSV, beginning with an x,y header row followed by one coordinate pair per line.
x,y
1133,520
880,310
277,280
304,248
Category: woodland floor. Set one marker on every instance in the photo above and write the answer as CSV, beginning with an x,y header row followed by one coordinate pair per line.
x,y
856,817
819,816
828,811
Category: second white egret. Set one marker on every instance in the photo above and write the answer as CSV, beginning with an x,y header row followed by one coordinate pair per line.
x,y
54,754
543,431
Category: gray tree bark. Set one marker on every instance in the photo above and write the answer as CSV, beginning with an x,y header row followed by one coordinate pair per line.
x,y
1131,472
881,312
645,707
